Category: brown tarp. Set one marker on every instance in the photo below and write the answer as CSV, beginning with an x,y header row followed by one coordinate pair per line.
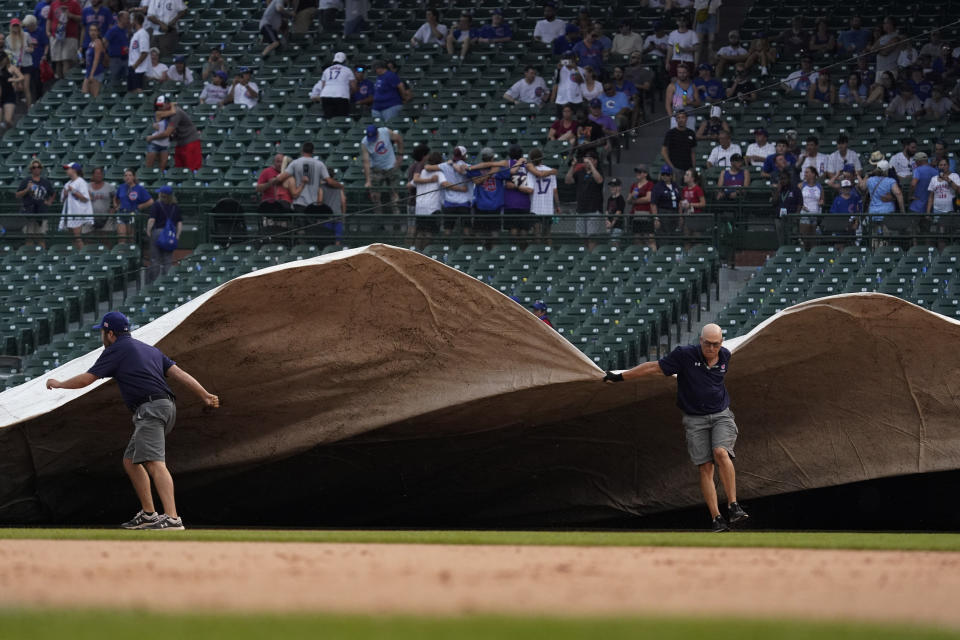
x,y
377,384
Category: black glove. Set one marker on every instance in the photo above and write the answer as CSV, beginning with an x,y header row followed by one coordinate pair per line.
x,y
613,377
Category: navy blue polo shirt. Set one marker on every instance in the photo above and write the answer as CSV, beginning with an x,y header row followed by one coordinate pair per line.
x,y
700,389
139,369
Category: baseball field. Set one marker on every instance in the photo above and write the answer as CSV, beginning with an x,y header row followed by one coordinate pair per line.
x,y
97,583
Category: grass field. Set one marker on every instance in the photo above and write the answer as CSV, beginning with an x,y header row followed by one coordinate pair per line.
x,y
790,540
97,625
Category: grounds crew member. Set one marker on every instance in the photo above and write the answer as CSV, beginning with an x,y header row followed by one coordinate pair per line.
x,y
707,418
140,372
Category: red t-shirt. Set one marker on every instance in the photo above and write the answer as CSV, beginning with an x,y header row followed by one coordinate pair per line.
x,y
64,6
559,128
276,192
693,195
647,187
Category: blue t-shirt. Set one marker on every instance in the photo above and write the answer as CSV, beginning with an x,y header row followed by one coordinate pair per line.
x,y
878,187
853,204
131,199
101,17
700,389
613,104
858,39
922,89
139,369
627,87
711,89
591,56
471,33
565,42
769,166
364,90
385,91
488,195
42,41
924,173
490,32
117,42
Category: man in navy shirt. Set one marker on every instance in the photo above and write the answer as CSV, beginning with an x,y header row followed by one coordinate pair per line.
x,y
707,418
118,41
141,371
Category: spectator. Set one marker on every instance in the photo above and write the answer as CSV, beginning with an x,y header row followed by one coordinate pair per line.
x,y
589,182
733,180
823,42
308,174
849,173
855,39
679,145
584,21
138,57
681,94
355,16
940,152
164,211
497,31
822,93
77,212
336,199
160,147
884,90
362,97
516,197
627,40
182,133
243,91
782,166
607,124
643,226
215,91
887,47
457,191
130,199
591,87
63,32
616,206
20,49
721,154
564,129
943,189
334,88
732,53
742,88
706,23
843,156
389,93
812,193
920,183
588,132
427,208
793,41
271,189
549,28
306,9
628,86
563,46
932,47
711,127
922,88
381,164
10,77
883,191
812,156
938,106
271,22
693,201
592,54
41,12
760,149
566,87
787,198
157,71
544,201
95,13
214,63
709,88
179,71
803,78
665,198
853,91
35,194
657,44
904,104
540,310
489,179
462,35
39,50
848,202
431,31
908,56
682,44
780,149
762,53
529,90
161,22
616,105
118,43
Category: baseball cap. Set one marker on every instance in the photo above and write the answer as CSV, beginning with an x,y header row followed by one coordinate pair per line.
x,y
846,183
243,70
705,67
641,167
498,12
572,28
540,305
666,169
849,167
340,56
736,156
876,157
76,166
177,59
595,103
791,133
167,189
220,74
462,149
615,182
371,131
14,21
759,131
114,321
160,101
920,155
883,165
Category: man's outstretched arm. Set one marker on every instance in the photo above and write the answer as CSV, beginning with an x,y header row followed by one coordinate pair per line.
x,y
187,380
76,382
645,370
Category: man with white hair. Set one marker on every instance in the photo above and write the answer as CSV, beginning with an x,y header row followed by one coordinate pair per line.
x,y
710,428
335,87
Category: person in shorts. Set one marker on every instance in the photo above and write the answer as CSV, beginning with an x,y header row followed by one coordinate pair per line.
x,y
141,373
709,423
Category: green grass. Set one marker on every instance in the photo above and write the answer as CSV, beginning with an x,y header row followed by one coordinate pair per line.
x,y
794,540
98,625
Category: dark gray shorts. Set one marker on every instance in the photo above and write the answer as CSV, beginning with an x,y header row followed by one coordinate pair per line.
x,y
706,433
151,423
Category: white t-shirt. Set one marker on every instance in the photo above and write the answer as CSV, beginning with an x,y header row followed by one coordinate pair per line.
x,y
818,162
907,57
425,35
720,157
887,61
652,39
811,197
541,200
165,10
835,162
688,38
529,92
156,72
173,74
624,45
753,149
212,93
453,198
335,82
731,52
76,213
903,165
794,79
240,95
549,31
567,89
139,43
429,194
943,195
589,94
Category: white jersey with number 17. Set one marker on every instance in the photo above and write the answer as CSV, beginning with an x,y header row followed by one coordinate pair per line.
x,y
541,200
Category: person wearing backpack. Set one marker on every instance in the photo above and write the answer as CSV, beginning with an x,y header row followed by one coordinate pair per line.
x,y
163,228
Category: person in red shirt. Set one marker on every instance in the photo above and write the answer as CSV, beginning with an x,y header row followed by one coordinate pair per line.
x,y
63,30
693,201
276,197
643,224
565,128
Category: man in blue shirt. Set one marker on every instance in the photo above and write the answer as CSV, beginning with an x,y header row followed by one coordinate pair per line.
x,y
921,182
363,96
711,89
567,41
591,52
489,178
389,92
710,428
497,30
118,41
855,39
96,14
141,371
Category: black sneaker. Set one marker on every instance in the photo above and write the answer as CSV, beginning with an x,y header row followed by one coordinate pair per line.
x,y
166,522
141,520
720,525
736,513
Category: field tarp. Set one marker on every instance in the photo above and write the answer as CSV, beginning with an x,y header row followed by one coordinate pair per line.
x,y
376,386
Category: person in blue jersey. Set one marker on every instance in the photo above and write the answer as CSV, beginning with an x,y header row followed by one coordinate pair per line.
x,y
711,430
497,31
389,93
463,35
362,97
131,199
95,55
141,372
98,14
118,43
489,178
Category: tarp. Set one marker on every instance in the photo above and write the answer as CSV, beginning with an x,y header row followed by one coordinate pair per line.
x,y
378,386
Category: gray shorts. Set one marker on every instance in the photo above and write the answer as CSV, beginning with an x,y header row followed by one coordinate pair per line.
x,y
151,423
706,433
